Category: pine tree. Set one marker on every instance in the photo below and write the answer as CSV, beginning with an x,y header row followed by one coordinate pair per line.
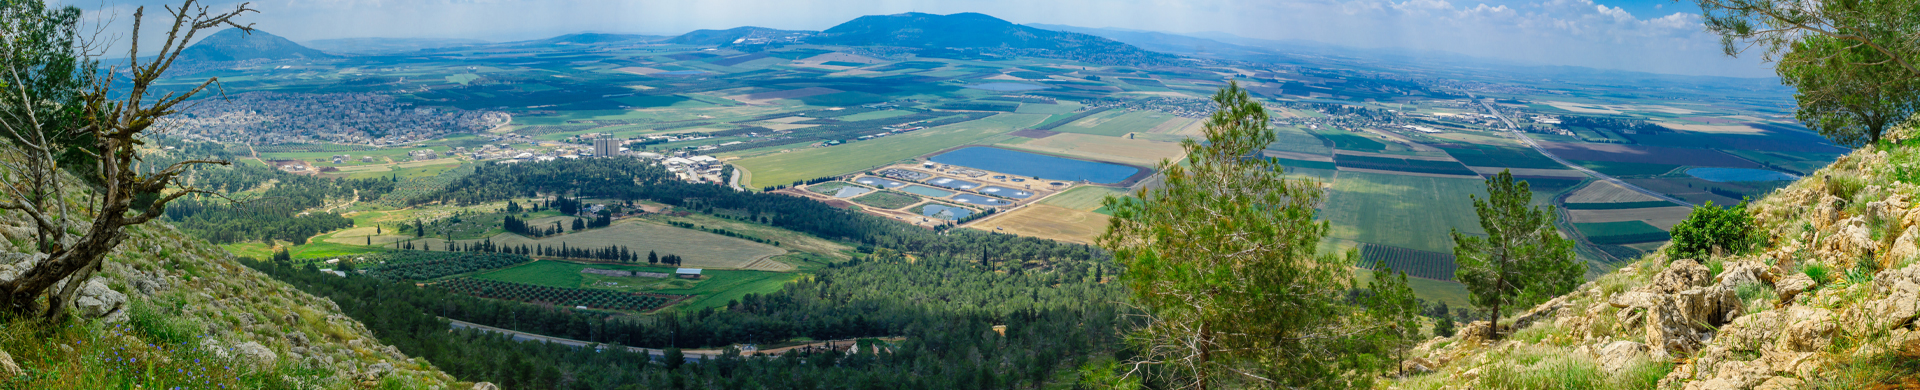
x,y
1522,261
652,258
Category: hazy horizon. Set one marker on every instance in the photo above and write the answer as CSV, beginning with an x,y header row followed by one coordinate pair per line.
x,y
1644,36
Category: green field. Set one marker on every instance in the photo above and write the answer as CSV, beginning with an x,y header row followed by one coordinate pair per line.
x,y
1624,232
1453,293
714,289
867,116
1293,139
1116,123
701,249
886,200
1083,198
1399,210
855,156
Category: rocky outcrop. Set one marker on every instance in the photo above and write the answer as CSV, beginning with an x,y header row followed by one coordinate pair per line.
x,y
1619,355
95,300
1900,304
1679,309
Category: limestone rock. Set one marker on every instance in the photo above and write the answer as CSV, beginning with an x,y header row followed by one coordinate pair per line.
x,y
1792,285
1619,355
1899,308
1780,383
257,355
1907,246
1669,332
1752,332
297,338
213,347
485,386
1473,332
95,300
1734,375
1712,306
1679,276
1811,329
1745,272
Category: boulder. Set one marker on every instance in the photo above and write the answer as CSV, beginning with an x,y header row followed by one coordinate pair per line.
x,y
214,348
1792,285
1734,375
1907,246
1712,306
1898,308
1745,272
485,386
1809,329
1679,276
297,338
1473,332
1669,332
95,300
255,354
150,286
1752,332
1619,355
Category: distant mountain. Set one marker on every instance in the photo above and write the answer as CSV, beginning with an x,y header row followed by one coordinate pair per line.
x,y
600,38
740,36
1162,42
386,45
979,31
236,45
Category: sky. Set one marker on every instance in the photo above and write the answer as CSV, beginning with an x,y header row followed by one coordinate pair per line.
x,y
1637,35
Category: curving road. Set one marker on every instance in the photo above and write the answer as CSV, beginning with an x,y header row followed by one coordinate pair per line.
x,y
1597,175
692,355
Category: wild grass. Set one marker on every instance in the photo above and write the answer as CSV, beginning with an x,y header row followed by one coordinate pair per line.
x,y
1756,297
152,351
1544,367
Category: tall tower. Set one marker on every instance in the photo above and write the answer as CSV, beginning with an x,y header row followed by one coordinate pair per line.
x,y
606,147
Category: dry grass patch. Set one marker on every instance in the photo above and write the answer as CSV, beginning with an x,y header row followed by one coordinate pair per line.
x,y
1049,222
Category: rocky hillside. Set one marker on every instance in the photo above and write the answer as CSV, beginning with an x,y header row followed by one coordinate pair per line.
x,y
1827,300
167,298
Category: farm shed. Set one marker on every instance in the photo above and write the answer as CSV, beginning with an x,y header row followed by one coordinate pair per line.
x,y
688,273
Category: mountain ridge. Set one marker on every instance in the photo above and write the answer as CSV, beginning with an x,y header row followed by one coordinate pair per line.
x,y
236,45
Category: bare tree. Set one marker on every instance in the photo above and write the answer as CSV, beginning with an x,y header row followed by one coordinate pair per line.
x,y
94,136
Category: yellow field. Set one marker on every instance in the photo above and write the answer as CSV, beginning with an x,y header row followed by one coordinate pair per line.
x,y
1085,198
1049,222
1129,151
1607,192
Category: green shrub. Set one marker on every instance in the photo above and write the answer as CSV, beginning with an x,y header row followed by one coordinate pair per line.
x,y
1710,230
1845,186
154,320
1817,272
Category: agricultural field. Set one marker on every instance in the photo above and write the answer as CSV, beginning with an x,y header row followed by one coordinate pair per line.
x,y
1049,222
420,265
1403,211
809,163
1416,263
890,200
564,297
701,249
1138,152
1083,198
1117,123
714,288
1617,233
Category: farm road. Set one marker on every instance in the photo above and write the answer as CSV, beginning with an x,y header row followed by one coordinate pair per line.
x,y
1536,146
692,355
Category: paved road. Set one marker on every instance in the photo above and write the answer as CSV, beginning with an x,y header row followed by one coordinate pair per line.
x,y
1536,146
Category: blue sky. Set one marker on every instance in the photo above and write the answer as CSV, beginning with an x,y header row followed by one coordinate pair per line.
x,y
1639,35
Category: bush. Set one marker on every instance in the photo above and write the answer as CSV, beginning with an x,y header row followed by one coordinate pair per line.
x,y
1817,272
1711,230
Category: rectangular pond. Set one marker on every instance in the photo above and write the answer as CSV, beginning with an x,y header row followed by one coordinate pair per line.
x,y
1007,192
953,183
941,211
926,191
981,200
1036,165
883,183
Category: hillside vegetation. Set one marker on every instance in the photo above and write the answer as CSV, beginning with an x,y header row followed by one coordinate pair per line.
x,y
174,310
1826,299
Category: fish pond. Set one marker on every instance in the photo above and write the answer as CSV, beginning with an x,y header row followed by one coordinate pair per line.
x,y
1007,192
926,191
1036,165
980,200
953,183
883,183
1722,175
943,211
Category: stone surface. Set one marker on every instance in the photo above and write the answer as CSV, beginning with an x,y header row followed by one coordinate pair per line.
x,y
1711,306
1745,272
1809,329
485,386
1669,332
257,355
1619,355
1780,383
95,300
1791,286
1679,276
